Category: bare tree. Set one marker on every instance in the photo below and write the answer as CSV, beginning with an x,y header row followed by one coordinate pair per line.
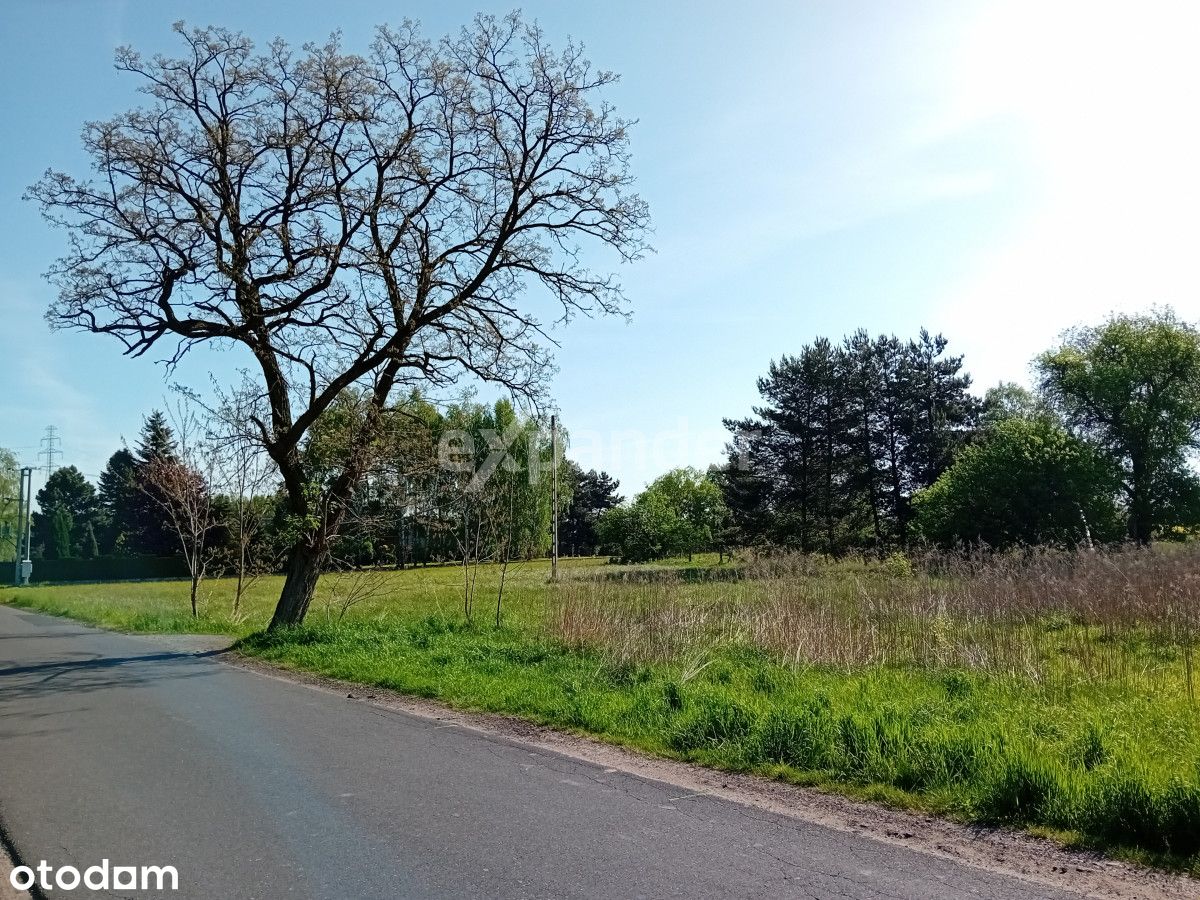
x,y
348,222
247,478
181,490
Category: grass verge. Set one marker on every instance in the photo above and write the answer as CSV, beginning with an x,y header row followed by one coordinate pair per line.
x,y
1110,764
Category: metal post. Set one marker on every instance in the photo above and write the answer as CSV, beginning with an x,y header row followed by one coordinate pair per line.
x,y
554,525
25,566
19,530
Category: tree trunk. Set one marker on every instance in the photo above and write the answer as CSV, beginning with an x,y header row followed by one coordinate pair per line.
x,y
1141,515
299,585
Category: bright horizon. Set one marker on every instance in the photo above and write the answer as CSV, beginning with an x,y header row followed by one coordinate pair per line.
x,y
995,172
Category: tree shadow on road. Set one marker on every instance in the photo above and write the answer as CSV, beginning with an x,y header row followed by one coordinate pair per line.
x,y
24,682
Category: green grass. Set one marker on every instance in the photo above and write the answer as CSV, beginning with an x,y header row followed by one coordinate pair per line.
x,y
162,606
1104,763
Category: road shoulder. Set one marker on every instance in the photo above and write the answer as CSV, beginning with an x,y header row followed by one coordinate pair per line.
x,y
1001,851
7,891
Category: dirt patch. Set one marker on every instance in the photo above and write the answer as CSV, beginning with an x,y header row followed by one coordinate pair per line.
x,y
997,850
7,891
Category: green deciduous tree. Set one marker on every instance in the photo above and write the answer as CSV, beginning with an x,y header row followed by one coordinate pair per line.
x,y
69,491
680,513
1132,385
1025,481
1008,400
9,500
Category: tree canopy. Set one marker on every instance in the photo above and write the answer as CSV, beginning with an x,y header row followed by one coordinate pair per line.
x,y
348,221
1025,482
1132,385
679,513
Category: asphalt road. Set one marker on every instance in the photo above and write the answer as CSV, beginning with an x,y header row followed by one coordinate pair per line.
x,y
133,750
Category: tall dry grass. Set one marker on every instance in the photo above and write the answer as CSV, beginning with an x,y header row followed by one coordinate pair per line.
x,y
1127,616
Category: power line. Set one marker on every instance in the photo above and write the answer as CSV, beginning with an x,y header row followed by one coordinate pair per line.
x,y
50,448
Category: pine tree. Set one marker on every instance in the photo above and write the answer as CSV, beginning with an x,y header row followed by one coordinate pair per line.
x,y
846,434
151,532
592,493
120,500
157,441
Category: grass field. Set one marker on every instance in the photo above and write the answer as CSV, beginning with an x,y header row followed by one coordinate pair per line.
x,y
1054,692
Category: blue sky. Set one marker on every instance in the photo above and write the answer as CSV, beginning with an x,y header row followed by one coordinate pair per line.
x,y
995,171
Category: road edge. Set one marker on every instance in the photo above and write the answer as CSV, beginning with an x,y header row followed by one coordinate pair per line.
x,y
9,860
1003,851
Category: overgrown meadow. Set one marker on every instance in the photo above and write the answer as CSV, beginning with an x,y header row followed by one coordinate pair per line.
x,y
1047,690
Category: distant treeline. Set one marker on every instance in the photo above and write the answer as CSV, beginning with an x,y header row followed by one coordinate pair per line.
x,y
867,444
876,444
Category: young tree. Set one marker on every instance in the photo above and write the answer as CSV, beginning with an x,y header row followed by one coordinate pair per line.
x,y
183,495
245,482
349,222
1132,385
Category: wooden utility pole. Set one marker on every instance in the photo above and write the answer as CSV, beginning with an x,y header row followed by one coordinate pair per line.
x,y
554,523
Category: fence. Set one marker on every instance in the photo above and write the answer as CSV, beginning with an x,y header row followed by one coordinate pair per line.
x,y
115,568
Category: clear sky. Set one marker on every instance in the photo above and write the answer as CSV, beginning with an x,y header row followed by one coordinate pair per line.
x,y
994,171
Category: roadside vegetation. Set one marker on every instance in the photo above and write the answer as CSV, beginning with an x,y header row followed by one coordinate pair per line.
x,y
779,613
1042,689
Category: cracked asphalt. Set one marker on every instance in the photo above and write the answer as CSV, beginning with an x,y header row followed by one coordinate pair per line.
x,y
149,751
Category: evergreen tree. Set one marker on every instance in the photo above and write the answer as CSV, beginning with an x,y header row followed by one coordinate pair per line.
x,y
120,500
156,441
90,548
845,436
150,532
592,493
59,544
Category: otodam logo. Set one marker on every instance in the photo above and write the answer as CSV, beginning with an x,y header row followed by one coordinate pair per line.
x,y
95,878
